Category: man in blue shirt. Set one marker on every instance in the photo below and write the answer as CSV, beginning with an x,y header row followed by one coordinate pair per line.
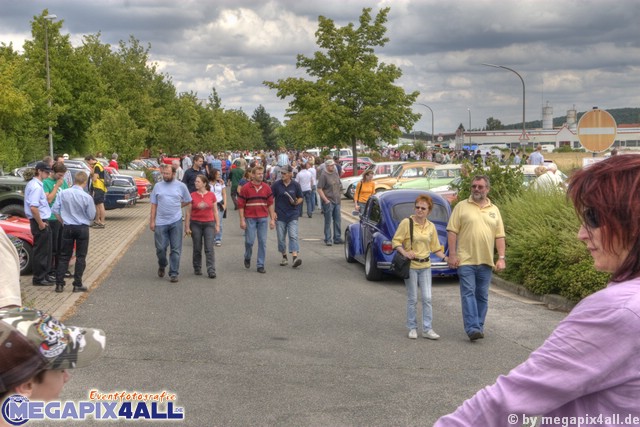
x,y
287,196
168,198
75,209
36,208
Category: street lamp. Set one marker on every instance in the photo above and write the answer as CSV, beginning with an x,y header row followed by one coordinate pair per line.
x,y
46,52
432,128
524,131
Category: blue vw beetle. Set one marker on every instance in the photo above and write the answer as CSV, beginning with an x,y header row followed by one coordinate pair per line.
x,y
369,240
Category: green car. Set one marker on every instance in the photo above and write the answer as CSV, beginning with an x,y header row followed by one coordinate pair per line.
x,y
438,176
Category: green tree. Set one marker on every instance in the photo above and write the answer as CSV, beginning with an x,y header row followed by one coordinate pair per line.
x,y
494,124
268,126
350,95
117,132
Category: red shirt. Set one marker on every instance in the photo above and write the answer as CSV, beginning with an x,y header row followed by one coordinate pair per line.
x,y
202,206
255,200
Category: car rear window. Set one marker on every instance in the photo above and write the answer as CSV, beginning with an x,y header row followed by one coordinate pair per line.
x,y
404,210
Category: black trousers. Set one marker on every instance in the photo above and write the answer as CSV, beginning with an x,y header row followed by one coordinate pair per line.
x,y
56,244
41,250
77,235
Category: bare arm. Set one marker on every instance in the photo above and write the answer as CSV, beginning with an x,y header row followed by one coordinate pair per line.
x,y
152,220
453,260
501,246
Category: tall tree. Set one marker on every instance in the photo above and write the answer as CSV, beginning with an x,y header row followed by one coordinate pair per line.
x,y
350,95
268,126
494,124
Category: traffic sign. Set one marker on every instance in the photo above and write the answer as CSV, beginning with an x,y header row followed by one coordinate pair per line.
x,y
597,130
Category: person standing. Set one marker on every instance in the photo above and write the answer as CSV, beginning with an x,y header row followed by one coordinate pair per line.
x,y
52,185
365,189
37,210
307,181
99,189
219,189
329,190
189,178
418,247
179,170
202,225
235,176
75,209
168,198
475,231
287,195
114,161
256,210
536,158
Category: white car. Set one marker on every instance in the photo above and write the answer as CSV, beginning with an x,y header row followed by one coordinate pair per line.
x,y
380,169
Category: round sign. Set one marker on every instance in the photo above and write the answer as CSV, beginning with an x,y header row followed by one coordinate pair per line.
x,y
597,130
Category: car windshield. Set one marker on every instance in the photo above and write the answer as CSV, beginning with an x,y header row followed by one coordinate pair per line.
x,y
404,210
397,171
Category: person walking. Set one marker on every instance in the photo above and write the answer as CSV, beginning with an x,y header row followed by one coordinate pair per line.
x,y
236,174
75,210
536,158
417,238
219,189
189,177
365,189
202,225
98,189
474,231
307,181
287,195
256,210
329,190
167,199
53,185
37,210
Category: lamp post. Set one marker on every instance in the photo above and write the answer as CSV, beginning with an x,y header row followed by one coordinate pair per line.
x,y
432,127
524,131
46,53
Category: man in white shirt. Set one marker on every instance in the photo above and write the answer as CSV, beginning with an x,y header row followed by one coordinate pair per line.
x,y
307,182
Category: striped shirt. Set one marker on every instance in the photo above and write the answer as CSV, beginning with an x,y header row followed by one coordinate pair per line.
x,y
255,200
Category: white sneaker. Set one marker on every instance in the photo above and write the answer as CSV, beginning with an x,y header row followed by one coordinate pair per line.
x,y
430,335
413,334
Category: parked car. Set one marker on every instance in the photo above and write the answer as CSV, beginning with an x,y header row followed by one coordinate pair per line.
x,y
20,229
12,200
438,176
407,171
143,186
369,240
119,194
380,170
347,168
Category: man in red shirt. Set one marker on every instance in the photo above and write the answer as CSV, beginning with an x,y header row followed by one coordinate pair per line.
x,y
255,205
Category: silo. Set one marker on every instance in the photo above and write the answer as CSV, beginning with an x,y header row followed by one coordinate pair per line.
x,y
571,118
547,117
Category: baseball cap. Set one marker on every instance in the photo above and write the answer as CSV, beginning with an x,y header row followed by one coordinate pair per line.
x,y
286,169
329,162
32,341
42,166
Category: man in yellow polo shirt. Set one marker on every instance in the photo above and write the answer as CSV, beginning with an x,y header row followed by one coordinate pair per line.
x,y
475,230
98,189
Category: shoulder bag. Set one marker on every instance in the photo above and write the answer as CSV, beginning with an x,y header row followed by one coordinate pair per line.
x,y
400,264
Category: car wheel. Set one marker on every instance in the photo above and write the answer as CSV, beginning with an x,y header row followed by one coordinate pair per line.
x,y
350,192
347,245
371,271
25,256
13,210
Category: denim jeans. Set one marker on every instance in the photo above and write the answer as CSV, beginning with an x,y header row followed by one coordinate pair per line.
x,y
218,237
419,277
291,228
165,236
259,227
203,232
474,295
331,214
309,201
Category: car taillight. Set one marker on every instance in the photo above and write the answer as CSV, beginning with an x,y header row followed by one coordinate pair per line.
x,y
387,247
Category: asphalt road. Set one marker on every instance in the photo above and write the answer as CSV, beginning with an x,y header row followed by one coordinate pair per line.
x,y
308,347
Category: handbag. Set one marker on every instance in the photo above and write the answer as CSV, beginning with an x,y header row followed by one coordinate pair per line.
x,y
400,265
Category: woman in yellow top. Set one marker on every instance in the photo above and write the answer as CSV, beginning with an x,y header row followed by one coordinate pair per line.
x,y
365,188
425,242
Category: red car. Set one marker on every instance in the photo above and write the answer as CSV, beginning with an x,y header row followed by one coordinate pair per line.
x,y
19,228
347,168
142,184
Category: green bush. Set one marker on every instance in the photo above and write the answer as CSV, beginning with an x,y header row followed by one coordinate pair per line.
x,y
543,252
505,181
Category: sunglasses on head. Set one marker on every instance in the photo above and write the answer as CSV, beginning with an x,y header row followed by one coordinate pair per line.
x,y
421,208
590,218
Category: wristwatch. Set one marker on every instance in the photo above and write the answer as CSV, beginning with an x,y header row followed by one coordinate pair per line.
x,y
501,257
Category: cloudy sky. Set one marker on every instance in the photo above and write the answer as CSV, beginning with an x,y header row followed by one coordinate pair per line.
x,y
570,53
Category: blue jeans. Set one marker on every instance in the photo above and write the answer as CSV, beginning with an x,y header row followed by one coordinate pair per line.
x,y
419,277
331,214
284,228
165,236
218,237
309,201
259,227
474,294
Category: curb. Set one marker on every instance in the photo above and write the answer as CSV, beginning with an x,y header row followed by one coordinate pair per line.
x,y
551,301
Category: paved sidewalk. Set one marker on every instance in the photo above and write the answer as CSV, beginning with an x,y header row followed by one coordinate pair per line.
x,y
106,246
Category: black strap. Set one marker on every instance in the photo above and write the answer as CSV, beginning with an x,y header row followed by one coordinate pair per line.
x,y
359,188
411,231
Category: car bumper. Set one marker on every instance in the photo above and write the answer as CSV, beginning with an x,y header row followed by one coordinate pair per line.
x,y
437,268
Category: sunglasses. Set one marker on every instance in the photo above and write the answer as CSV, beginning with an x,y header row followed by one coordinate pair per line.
x,y
421,208
591,218
478,187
